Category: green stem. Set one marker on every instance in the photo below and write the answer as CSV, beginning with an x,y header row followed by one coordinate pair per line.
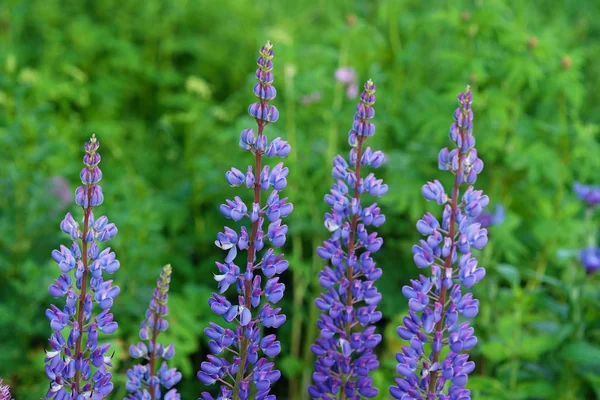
x,y
247,283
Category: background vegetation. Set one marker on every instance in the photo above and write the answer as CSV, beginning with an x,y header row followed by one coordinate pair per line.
x,y
165,86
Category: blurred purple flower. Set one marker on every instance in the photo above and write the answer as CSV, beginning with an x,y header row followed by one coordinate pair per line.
x,y
144,379
311,98
487,218
588,193
590,258
352,90
59,187
348,77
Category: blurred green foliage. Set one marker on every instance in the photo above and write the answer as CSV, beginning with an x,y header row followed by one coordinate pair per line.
x,y
165,86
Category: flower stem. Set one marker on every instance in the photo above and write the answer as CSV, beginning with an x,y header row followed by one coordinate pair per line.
x,y
439,326
251,258
153,354
349,271
83,293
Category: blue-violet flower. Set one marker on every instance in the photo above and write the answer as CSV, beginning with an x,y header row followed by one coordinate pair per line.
x,y
590,194
589,256
144,381
436,302
240,361
487,218
77,365
344,350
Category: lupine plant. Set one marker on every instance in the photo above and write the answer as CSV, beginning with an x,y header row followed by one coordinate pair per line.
x,y
77,365
144,380
4,391
344,349
240,354
590,255
436,302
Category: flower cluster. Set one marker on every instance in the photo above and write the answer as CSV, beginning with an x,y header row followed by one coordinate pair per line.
x,y
590,194
589,256
144,381
247,372
77,365
344,350
4,391
437,302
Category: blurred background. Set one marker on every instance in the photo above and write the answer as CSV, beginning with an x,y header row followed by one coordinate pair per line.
x,y
165,86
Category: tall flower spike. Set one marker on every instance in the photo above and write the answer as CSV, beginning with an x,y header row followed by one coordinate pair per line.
x,y
344,350
436,302
240,361
77,365
144,381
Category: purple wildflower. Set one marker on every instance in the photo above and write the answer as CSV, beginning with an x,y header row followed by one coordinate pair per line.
x,y
590,258
4,391
344,350
144,381
347,76
436,302
249,372
588,193
487,218
76,368
59,187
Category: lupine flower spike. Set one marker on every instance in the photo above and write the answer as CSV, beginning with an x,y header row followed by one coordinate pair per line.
x,y
77,365
589,256
240,361
436,302
4,391
144,381
344,349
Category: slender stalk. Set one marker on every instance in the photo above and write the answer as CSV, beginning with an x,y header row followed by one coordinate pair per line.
x,y
251,258
439,326
351,248
152,354
83,293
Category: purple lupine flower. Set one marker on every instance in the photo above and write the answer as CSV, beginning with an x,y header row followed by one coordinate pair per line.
x,y
144,381
347,77
487,218
240,363
436,302
344,350
590,194
4,391
59,187
590,258
78,368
